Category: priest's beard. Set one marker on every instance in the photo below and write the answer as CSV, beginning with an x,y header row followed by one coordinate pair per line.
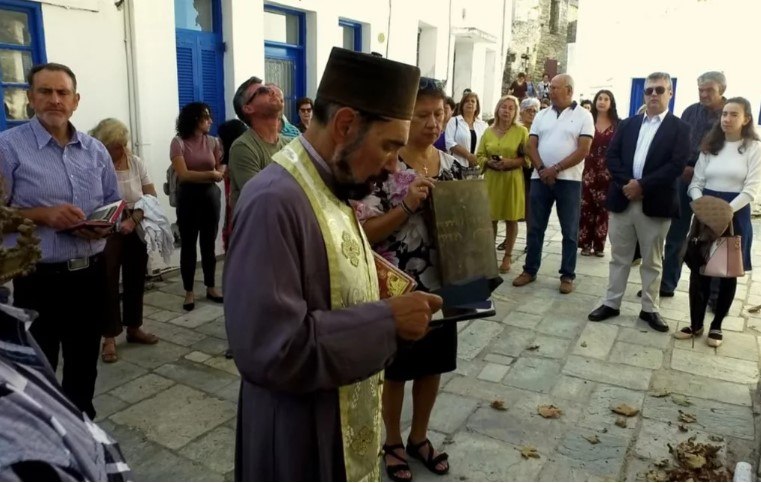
x,y
346,188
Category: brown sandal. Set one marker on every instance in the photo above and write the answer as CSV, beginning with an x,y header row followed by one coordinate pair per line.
x,y
108,351
506,263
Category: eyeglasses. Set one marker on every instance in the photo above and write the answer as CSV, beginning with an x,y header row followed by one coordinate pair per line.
x,y
430,83
305,109
260,90
658,90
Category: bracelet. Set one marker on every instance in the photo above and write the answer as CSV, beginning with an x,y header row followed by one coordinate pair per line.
x,y
406,209
557,168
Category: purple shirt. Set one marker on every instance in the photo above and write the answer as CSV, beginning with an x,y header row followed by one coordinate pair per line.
x,y
39,172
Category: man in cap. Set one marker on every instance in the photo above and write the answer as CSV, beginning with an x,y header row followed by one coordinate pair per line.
x,y
308,333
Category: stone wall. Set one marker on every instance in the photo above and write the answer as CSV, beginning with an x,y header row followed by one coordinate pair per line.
x,y
535,38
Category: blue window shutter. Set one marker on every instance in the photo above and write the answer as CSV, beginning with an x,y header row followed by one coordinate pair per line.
x,y
211,88
185,69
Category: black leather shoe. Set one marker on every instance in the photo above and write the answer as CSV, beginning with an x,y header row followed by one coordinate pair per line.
x,y
655,321
663,293
603,312
216,299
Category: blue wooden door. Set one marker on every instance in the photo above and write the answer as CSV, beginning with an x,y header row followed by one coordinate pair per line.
x,y
284,62
200,61
637,98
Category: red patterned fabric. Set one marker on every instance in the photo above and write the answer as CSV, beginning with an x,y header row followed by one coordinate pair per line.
x,y
593,222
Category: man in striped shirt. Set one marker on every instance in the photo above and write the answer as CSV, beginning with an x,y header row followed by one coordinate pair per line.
x,y
56,176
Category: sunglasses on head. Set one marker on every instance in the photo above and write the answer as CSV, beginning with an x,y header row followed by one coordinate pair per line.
x,y
658,90
260,90
429,83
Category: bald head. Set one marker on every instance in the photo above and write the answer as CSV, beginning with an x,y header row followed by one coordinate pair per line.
x,y
561,91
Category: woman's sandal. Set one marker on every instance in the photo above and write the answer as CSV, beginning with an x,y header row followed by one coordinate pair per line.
x,y
430,462
108,351
393,470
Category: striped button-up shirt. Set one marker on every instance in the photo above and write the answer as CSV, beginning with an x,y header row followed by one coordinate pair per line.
x,y
38,172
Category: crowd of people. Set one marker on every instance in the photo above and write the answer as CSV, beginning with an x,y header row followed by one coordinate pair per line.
x,y
324,362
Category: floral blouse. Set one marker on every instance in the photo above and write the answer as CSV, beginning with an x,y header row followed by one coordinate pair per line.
x,y
410,247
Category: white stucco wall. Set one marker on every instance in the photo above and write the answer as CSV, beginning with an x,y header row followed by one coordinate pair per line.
x,y
617,41
91,42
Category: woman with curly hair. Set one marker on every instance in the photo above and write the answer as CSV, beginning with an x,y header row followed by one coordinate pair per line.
x,y
196,157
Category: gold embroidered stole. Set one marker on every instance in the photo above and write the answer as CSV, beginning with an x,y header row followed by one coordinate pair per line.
x,y
353,280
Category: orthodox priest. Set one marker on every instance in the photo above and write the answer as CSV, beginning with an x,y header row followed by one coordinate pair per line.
x,y
308,332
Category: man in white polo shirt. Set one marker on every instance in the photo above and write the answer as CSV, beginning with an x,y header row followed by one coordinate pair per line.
x,y
559,141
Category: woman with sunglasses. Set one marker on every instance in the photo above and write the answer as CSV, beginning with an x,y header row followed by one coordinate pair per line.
x,y
593,222
196,158
729,167
394,223
500,155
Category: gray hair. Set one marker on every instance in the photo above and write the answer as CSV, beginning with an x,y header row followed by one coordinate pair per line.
x,y
714,76
530,102
662,76
240,94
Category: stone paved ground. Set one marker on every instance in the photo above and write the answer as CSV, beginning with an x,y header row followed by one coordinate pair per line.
x,y
172,406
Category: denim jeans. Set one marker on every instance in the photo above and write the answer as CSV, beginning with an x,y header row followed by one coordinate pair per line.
x,y
675,240
542,197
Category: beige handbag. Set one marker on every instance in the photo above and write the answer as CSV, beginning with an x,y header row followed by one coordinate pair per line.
x,y
725,258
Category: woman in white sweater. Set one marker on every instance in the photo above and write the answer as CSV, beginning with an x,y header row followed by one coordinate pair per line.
x,y
463,132
729,167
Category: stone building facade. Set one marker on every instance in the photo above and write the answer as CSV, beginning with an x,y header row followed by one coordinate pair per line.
x,y
541,32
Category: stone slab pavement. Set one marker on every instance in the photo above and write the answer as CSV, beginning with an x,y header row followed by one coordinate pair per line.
x,y
172,406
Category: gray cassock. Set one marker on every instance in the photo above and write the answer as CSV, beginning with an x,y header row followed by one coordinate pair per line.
x,y
292,351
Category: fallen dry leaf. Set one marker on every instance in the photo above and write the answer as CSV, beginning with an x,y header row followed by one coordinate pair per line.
x,y
656,475
549,411
604,430
625,410
593,439
694,461
662,463
583,344
683,428
498,404
755,309
529,452
661,393
621,422
686,417
532,348
717,439
680,400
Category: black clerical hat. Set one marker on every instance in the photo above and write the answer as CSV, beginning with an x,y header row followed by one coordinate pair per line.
x,y
370,83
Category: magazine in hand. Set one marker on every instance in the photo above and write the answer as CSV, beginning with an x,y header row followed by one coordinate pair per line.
x,y
103,217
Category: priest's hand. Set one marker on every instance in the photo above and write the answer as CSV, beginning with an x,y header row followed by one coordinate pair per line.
x,y
412,313
417,192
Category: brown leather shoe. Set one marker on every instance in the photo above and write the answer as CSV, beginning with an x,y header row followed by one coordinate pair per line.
x,y
523,279
566,285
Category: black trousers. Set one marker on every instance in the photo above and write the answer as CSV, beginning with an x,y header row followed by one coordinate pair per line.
x,y
198,208
129,255
71,310
700,289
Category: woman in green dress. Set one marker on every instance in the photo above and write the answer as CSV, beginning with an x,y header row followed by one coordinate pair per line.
x,y
500,155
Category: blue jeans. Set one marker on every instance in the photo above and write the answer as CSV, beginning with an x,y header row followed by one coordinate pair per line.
x,y
542,197
675,240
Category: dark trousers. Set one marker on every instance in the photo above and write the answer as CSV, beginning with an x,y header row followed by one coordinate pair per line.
x,y
675,241
700,288
198,208
129,255
71,310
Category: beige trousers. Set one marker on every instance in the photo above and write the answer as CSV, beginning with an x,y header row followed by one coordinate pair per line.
x,y
625,230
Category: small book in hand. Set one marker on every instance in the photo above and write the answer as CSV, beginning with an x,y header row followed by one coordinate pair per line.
x,y
103,217
391,280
